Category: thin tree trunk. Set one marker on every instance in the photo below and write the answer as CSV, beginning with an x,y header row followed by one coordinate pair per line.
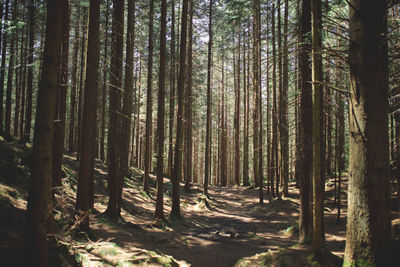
x,y
159,212
189,104
74,73
138,154
284,105
172,91
237,112
207,166
3,65
246,117
148,136
10,76
104,91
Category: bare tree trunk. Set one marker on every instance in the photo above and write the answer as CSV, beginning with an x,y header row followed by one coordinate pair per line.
x,y
89,117
284,105
368,233
159,212
72,108
177,171
104,91
207,166
189,104
10,76
126,116
3,65
257,130
172,91
39,199
237,113
81,80
114,186
305,123
246,116
59,127
318,234
148,135
256,85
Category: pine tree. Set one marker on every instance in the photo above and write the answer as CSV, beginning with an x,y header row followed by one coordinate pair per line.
x,y
39,199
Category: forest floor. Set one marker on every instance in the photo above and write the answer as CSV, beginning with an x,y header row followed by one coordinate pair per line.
x,y
218,231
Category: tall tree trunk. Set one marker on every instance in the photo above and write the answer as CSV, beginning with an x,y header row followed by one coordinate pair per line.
x,y
305,122
159,212
318,234
114,185
89,116
104,91
3,65
29,93
177,171
74,72
274,161
256,85
138,154
237,113
148,135
189,104
18,85
246,115
59,127
39,199
127,108
24,60
284,105
340,151
368,233
10,75
81,80
172,91
207,166
257,125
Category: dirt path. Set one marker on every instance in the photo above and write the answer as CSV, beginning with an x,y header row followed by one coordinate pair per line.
x,y
217,232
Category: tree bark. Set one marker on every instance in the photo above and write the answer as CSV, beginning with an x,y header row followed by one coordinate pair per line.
x,y
29,93
114,134
284,105
127,108
207,165
39,199
148,136
189,104
3,65
89,117
10,76
59,127
172,92
368,233
305,123
177,171
74,76
316,17
159,212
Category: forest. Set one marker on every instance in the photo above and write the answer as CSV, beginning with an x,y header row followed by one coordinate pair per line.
x,y
200,133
